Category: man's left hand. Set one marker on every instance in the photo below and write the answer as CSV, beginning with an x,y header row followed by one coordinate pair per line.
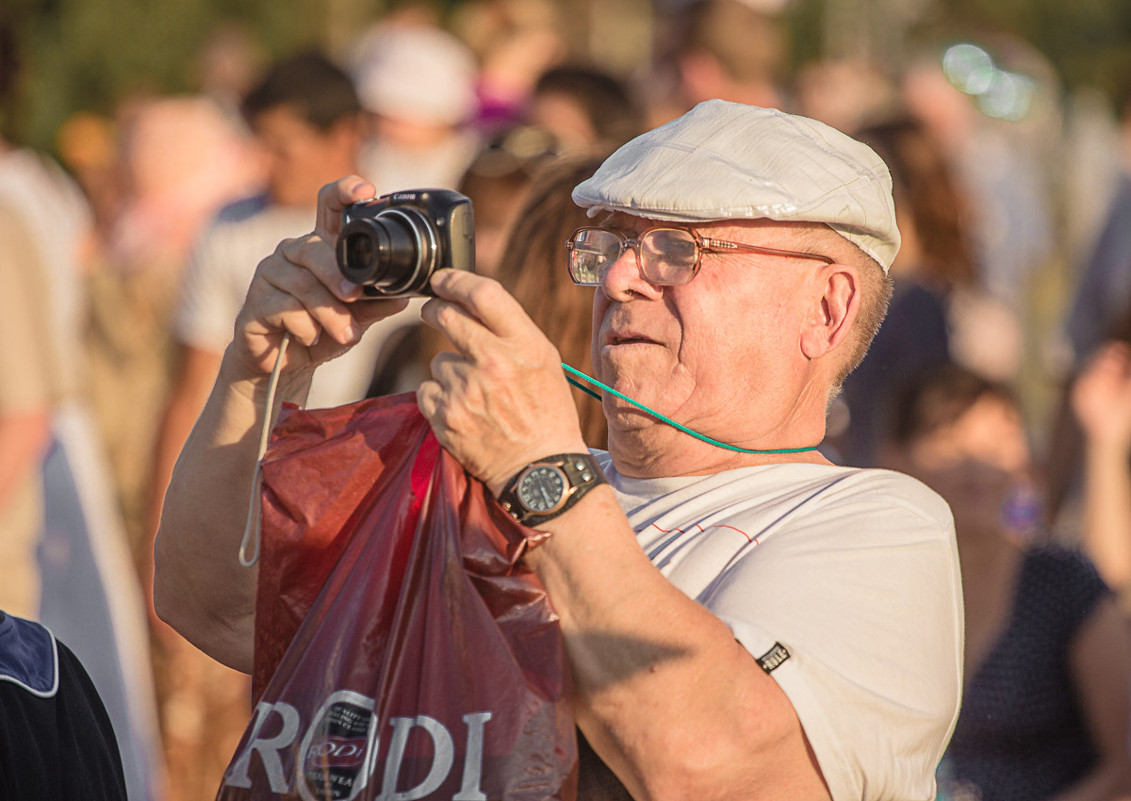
x,y
501,400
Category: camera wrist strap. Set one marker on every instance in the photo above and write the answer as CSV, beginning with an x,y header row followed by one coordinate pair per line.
x,y
572,374
250,541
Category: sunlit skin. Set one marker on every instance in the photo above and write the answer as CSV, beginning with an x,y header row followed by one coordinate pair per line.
x,y
975,462
300,158
664,345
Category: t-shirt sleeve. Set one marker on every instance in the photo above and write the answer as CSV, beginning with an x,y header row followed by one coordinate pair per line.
x,y
1069,577
864,593
208,304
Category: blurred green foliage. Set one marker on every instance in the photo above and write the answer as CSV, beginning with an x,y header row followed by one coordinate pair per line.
x,y
90,54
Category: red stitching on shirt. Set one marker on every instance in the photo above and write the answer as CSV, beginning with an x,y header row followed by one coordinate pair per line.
x,y
740,531
701,529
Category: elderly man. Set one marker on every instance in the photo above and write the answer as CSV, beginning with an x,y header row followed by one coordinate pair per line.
x,y
744,620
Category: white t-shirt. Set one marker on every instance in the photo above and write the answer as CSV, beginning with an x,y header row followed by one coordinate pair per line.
x,y
216,282
856,573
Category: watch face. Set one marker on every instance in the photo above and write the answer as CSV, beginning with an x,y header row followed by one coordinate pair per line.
x,y
542,488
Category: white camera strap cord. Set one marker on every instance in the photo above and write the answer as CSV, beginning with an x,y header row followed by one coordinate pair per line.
x,y
249,545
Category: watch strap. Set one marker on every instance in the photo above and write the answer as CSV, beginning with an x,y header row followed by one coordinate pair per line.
x,y
582,474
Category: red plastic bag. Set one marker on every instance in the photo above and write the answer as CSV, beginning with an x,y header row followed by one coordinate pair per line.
x,y
401,651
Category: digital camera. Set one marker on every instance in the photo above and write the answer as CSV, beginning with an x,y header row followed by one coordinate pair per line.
x,y
391,246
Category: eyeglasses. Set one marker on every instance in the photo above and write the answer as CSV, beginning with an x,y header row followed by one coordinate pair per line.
x,y
666,256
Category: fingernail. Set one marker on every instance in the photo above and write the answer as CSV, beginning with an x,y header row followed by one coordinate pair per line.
x,y
355,188
348,287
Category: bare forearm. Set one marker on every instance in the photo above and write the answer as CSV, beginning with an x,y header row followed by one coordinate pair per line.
x,y
200,587
666,696
1107,517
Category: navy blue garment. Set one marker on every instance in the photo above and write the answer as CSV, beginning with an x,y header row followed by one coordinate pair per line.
x,y
1103,292
1021,733
56,741
913,338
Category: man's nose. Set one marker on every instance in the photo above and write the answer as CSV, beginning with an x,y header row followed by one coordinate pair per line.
x,y
625,278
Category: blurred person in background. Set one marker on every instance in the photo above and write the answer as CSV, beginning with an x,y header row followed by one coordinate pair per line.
x,y
585,107
63,550
416,83
997,161
935,259
1045,705
497,181
228,63
1089,463
1101,405
728,49
56,740
179,161
87,143
1089,503
514,42
846,93
1103,286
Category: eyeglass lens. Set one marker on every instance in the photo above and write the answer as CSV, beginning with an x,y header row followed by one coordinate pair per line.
x,y
666,255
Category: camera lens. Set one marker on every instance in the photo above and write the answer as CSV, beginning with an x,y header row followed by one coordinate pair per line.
x,y
359,249
392,252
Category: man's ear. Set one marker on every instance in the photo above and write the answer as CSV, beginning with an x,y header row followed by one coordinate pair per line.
x,y
836,302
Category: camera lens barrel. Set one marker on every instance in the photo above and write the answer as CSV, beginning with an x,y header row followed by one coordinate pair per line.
x,y
393,252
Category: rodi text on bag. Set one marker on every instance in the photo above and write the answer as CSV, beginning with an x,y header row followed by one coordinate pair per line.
x,y
402,650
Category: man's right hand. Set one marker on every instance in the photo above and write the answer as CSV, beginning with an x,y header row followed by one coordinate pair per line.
x,y
299,290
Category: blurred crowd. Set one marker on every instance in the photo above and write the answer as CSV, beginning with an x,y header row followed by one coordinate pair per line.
x,y
1001,376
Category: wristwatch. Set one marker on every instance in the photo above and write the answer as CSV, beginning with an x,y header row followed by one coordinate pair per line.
x,y
544,489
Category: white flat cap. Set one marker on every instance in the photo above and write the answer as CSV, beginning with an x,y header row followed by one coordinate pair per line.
x,y
728,161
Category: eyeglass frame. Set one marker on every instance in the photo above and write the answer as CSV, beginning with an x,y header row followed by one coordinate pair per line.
x,y
702,245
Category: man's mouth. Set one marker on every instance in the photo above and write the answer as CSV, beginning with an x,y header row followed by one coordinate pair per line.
x,y
631,339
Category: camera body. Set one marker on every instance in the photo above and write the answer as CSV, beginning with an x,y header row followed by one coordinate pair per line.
x,y
391,246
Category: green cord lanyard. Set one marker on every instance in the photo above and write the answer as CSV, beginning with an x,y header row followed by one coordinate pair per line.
x,y
571,372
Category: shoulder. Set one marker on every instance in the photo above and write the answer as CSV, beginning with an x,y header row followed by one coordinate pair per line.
x,y
858,577
242,210
849,494
788,496
29,656
244,232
